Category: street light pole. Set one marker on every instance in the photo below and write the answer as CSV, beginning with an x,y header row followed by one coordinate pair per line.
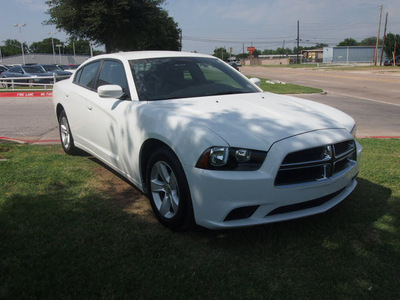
x,y
59,51
52,43
22,44
91,48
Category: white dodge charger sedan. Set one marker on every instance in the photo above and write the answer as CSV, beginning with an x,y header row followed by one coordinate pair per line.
x,y
206,144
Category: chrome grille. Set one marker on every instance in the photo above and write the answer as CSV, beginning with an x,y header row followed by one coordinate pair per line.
x,y
315,164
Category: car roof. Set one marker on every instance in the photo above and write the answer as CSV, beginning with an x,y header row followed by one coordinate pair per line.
x,y
148,54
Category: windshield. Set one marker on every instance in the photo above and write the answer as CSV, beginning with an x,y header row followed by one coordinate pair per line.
x,y
185,77
32,69
51,68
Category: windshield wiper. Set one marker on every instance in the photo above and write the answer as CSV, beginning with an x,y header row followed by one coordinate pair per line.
x,y
229,93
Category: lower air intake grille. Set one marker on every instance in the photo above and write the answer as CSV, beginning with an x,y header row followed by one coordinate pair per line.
x,y
303,205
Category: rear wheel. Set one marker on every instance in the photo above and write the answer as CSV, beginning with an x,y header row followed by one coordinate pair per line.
x,y
67,141
168,190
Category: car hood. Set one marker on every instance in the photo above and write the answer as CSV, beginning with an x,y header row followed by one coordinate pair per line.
x,y
256,120
61,73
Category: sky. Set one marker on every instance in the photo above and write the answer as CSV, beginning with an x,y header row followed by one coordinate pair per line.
x,y
237,24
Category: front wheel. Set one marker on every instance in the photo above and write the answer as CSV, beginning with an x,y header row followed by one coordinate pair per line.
x,y
168,190
67,140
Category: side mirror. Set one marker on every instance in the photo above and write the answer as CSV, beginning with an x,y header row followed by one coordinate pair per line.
x,y
256,81
110,91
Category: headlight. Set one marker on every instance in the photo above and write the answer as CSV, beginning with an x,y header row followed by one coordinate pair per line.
x,y
353,131
224,158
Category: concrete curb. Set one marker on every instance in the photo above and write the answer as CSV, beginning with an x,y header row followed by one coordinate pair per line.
x,y
33,142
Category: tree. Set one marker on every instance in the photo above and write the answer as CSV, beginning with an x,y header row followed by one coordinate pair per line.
x,y
348,42
45,46
82,47
277,51
13,47
371,41
221,53
390,41
242,56
320,45
121,25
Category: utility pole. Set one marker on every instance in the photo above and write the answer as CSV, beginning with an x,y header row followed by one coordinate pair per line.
x,y
377,39
180,39
73,48
298,42
384,38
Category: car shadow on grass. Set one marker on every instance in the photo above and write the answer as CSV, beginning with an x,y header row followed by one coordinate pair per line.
x,y
103,241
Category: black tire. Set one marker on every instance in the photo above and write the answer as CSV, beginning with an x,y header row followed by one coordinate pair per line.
x,y
168,190
67,141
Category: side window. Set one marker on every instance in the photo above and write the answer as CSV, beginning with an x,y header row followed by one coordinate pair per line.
x,y
88,74
113,73
15,70
77,76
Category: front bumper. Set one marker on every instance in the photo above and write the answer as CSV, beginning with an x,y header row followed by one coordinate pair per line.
x,y
227,199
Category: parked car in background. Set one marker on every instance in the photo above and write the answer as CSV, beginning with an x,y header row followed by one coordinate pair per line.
x,y
2,69
389,62
69,68
31,72
56,70
234,65
205,143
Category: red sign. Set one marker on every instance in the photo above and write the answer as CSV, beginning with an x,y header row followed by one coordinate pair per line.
x,y
26,94
251,49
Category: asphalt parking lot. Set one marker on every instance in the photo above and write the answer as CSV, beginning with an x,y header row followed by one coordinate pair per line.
x,y
28,119
371,98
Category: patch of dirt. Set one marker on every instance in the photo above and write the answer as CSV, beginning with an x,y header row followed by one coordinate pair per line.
x,y
124,194
3,149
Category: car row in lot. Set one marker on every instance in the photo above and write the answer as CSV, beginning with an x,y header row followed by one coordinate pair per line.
x,y
70,68
3,69
35,73
205,143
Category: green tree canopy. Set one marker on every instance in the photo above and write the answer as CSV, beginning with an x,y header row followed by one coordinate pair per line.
x,y
221,53
281,51
320,45
121,25
45,46
390,42
348,42
371,41
82,47
12,47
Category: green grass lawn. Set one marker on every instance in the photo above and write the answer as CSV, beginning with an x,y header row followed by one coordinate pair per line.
x,y
71,229
286,88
